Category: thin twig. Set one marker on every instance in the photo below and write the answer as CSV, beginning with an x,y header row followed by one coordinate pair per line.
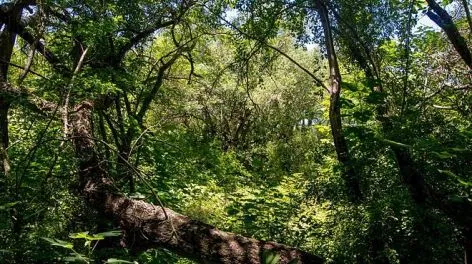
x,y
247,35
135,170
21,67
65,109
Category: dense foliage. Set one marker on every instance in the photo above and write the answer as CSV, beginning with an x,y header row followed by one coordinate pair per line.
x,y
341,128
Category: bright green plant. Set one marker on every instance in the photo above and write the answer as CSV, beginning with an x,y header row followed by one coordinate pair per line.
x,y
85,254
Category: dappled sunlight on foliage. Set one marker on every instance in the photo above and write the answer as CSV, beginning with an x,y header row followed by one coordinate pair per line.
x,y
282,132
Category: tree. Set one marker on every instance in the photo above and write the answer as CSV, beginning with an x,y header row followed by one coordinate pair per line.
x,y
357,150
355,37
153,225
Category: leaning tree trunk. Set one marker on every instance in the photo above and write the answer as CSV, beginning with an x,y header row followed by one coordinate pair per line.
x,y
459,210
349,174
145,225
442,18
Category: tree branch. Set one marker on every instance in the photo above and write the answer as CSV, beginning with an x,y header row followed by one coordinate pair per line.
x,y
32,102
145,225
22,67
316,79
17,27
351,178
440,16
157,85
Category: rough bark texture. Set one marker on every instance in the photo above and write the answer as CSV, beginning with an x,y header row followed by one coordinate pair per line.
x,y
145,225
444,20
350,176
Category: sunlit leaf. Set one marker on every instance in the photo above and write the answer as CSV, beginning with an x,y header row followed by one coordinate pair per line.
x,y
120,261
270,257
113,233
59,243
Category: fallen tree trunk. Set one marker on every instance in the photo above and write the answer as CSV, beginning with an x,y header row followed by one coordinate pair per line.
x,y
145,225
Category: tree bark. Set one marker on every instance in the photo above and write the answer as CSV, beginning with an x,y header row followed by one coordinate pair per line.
x,y
7,41
12,19
444,21
145,225
459,210
350,176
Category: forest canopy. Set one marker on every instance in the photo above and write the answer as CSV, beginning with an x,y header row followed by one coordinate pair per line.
x,y
235,131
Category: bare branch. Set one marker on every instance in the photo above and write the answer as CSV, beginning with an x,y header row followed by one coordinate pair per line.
x,y
28,64
22,67
263,42
440,16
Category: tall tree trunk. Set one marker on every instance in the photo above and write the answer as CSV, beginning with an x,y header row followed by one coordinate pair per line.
x,y
4,162
350,176
145,225
411,174
7,41
459,210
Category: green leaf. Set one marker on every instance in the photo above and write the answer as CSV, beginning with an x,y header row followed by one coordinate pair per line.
x,y
79,235
59,243
346,103
76,257
113,233
455,176
375,98
270,257
114,260
233,211
395,143
86,236
443,154
87,243
350,86
7,206
362,116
